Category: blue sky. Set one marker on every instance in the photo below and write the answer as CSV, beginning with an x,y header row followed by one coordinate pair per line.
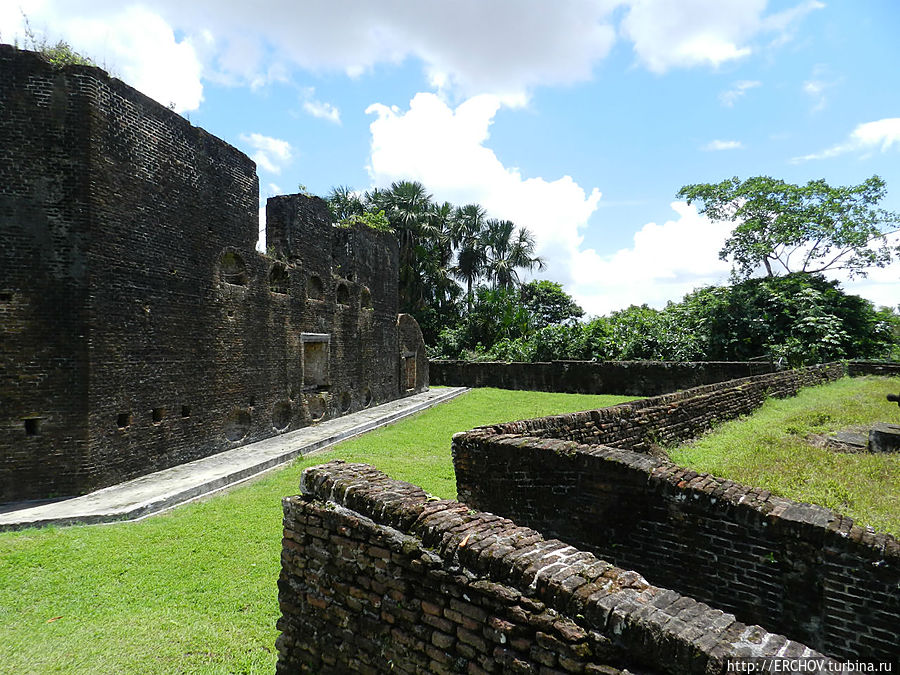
x,y
580,120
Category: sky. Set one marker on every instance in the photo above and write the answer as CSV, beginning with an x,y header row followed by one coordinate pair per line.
x,y
578,119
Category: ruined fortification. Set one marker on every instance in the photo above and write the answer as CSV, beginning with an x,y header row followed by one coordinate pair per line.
x,y
139,328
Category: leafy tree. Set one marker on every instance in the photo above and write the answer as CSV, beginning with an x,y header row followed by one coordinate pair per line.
x,y
808,228
548,303
345,203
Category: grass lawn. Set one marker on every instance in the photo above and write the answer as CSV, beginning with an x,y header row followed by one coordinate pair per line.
x,y
769,450
194,590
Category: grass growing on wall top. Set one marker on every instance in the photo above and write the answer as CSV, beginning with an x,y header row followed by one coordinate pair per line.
x,y
194,590
770,449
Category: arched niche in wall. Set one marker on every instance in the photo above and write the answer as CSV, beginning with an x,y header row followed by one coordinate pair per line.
x,y
365,298
237,424
232,269
279,279
343,294
281,415
315,290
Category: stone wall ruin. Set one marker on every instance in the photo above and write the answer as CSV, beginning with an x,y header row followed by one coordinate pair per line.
x,y
139,327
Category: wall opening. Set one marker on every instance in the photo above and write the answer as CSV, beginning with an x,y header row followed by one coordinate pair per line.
x,y
157,414
315,359
123,420
281,415
279,279
365,298
409,368
343,294
314,288
316,407
185,411
232,269
367,397
346,401
32,426
237,424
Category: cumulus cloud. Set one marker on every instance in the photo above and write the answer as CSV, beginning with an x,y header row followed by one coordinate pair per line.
x,y
270,154
878,136
445,149
737,91
133,42
664,263
722,145
703,32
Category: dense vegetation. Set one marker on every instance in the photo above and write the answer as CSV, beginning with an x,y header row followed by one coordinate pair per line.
x,y
460,277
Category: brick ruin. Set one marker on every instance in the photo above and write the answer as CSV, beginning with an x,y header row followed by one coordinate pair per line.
x,y
574,550
139,327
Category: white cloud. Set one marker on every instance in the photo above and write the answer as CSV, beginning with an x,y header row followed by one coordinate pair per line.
x,y
270,154
722,145
134,43
881,136
665,262
445,149
730,96
702,32
322,110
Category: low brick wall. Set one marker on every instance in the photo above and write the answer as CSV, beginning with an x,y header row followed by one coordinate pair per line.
x,y
377,577
856,368
671,418
626,378
799,569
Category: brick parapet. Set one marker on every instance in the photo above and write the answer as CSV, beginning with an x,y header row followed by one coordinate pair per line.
x,y
379,577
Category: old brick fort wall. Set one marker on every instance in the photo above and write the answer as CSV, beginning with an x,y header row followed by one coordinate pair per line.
x,y
626,378
798,569
378,577
140,328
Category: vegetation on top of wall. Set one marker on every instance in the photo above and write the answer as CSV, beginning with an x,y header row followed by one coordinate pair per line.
x,y
59,54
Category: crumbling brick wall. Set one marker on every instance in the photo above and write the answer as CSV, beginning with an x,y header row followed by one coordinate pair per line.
x,y
140,327
379,578
798,569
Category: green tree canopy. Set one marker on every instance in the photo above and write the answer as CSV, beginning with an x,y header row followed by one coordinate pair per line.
x,y
548,303
808,228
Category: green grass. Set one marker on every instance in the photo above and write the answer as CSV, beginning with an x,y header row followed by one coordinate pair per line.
x,y
194,590
769,449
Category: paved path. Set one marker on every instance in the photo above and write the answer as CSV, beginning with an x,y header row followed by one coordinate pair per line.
x,y
164,489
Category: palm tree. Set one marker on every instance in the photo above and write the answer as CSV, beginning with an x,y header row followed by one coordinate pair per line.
x,y
467,236
441,290
344,202
507,251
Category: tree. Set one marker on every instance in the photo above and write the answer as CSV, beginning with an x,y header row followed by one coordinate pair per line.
x,y
467,236
507,251
549,304
789,228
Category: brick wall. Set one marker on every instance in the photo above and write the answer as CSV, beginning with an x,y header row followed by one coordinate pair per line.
x,y
626,378
378,577
855,368
671,418
140,327
798,569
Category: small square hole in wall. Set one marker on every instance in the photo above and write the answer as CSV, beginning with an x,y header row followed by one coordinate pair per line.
x,y
158,414
32,426
185,411
123,420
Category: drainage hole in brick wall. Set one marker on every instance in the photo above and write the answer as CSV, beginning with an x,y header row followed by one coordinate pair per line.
x,y
123,420
157,414
32,426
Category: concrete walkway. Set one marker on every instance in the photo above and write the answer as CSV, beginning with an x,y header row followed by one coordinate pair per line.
x,y
164,489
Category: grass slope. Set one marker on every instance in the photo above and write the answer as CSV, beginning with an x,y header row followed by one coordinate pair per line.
x,y
769,449
194,590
